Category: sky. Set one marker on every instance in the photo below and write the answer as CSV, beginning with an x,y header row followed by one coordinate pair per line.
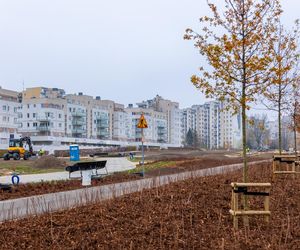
x,y
126,51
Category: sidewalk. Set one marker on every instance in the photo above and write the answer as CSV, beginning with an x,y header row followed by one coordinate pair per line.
x,y
117,164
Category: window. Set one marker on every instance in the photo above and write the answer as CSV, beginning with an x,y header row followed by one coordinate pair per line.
x,y
28,106
33,115
34,105
4,108
28,115
34,124
4,118
28,125
59,125
59,115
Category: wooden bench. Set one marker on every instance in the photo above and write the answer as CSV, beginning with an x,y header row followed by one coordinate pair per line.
x,y
87,165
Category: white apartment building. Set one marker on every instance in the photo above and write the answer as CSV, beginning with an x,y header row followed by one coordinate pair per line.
x,y
100,124
200,124
9,113
51,117
173,116
76,120
42,117
214,126
188,120
98,110
231,128
122,126
157,125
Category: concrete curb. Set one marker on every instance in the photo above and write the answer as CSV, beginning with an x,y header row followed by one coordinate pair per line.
x,y
36,205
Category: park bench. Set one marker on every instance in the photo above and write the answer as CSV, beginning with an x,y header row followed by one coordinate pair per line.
x,y
88,165
5,187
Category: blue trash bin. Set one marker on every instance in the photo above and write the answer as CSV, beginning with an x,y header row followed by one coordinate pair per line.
x,y
74,153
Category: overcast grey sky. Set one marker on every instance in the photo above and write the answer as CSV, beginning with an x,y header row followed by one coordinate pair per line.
x,y
126,51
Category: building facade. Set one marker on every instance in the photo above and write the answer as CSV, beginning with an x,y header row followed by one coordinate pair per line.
x,y
10,110
214,126
52,117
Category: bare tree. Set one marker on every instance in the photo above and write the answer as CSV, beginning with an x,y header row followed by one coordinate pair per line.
x,y
281,82
257,132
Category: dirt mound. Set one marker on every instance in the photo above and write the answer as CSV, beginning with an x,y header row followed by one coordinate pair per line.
x,y
49,161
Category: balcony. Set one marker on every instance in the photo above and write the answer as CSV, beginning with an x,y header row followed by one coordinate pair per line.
x,y
78,114
78,122
101,127
102,122
43,128
103,134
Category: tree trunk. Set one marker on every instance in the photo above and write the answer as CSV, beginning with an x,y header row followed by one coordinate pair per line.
x,y
279,130
279,121
243,103
245,168
295,130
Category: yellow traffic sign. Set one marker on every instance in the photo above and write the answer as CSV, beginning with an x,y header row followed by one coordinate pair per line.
x,y
142,122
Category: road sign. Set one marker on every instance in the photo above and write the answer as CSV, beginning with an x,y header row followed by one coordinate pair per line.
x,y
142,122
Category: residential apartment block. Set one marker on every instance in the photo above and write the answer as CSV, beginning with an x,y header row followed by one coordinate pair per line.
x,y
157,124
215,126
173,117
52,117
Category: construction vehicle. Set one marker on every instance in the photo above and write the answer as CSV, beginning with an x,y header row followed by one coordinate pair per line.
x,y
17,151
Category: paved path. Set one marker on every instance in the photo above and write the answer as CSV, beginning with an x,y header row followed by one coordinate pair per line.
x,y
35,205
116,164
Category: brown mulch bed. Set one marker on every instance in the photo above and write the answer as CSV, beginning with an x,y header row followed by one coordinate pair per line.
x,y
30,189
191,214
25,190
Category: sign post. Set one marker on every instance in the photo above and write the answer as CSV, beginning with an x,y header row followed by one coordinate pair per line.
x,y
142,124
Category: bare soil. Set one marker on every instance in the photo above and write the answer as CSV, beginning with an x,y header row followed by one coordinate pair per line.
x,y
49,161
175,154
191,164
191,214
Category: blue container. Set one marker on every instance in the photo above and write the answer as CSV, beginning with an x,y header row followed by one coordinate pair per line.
x,y
74,153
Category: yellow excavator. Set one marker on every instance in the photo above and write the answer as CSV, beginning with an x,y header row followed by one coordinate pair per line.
x,y
17,151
